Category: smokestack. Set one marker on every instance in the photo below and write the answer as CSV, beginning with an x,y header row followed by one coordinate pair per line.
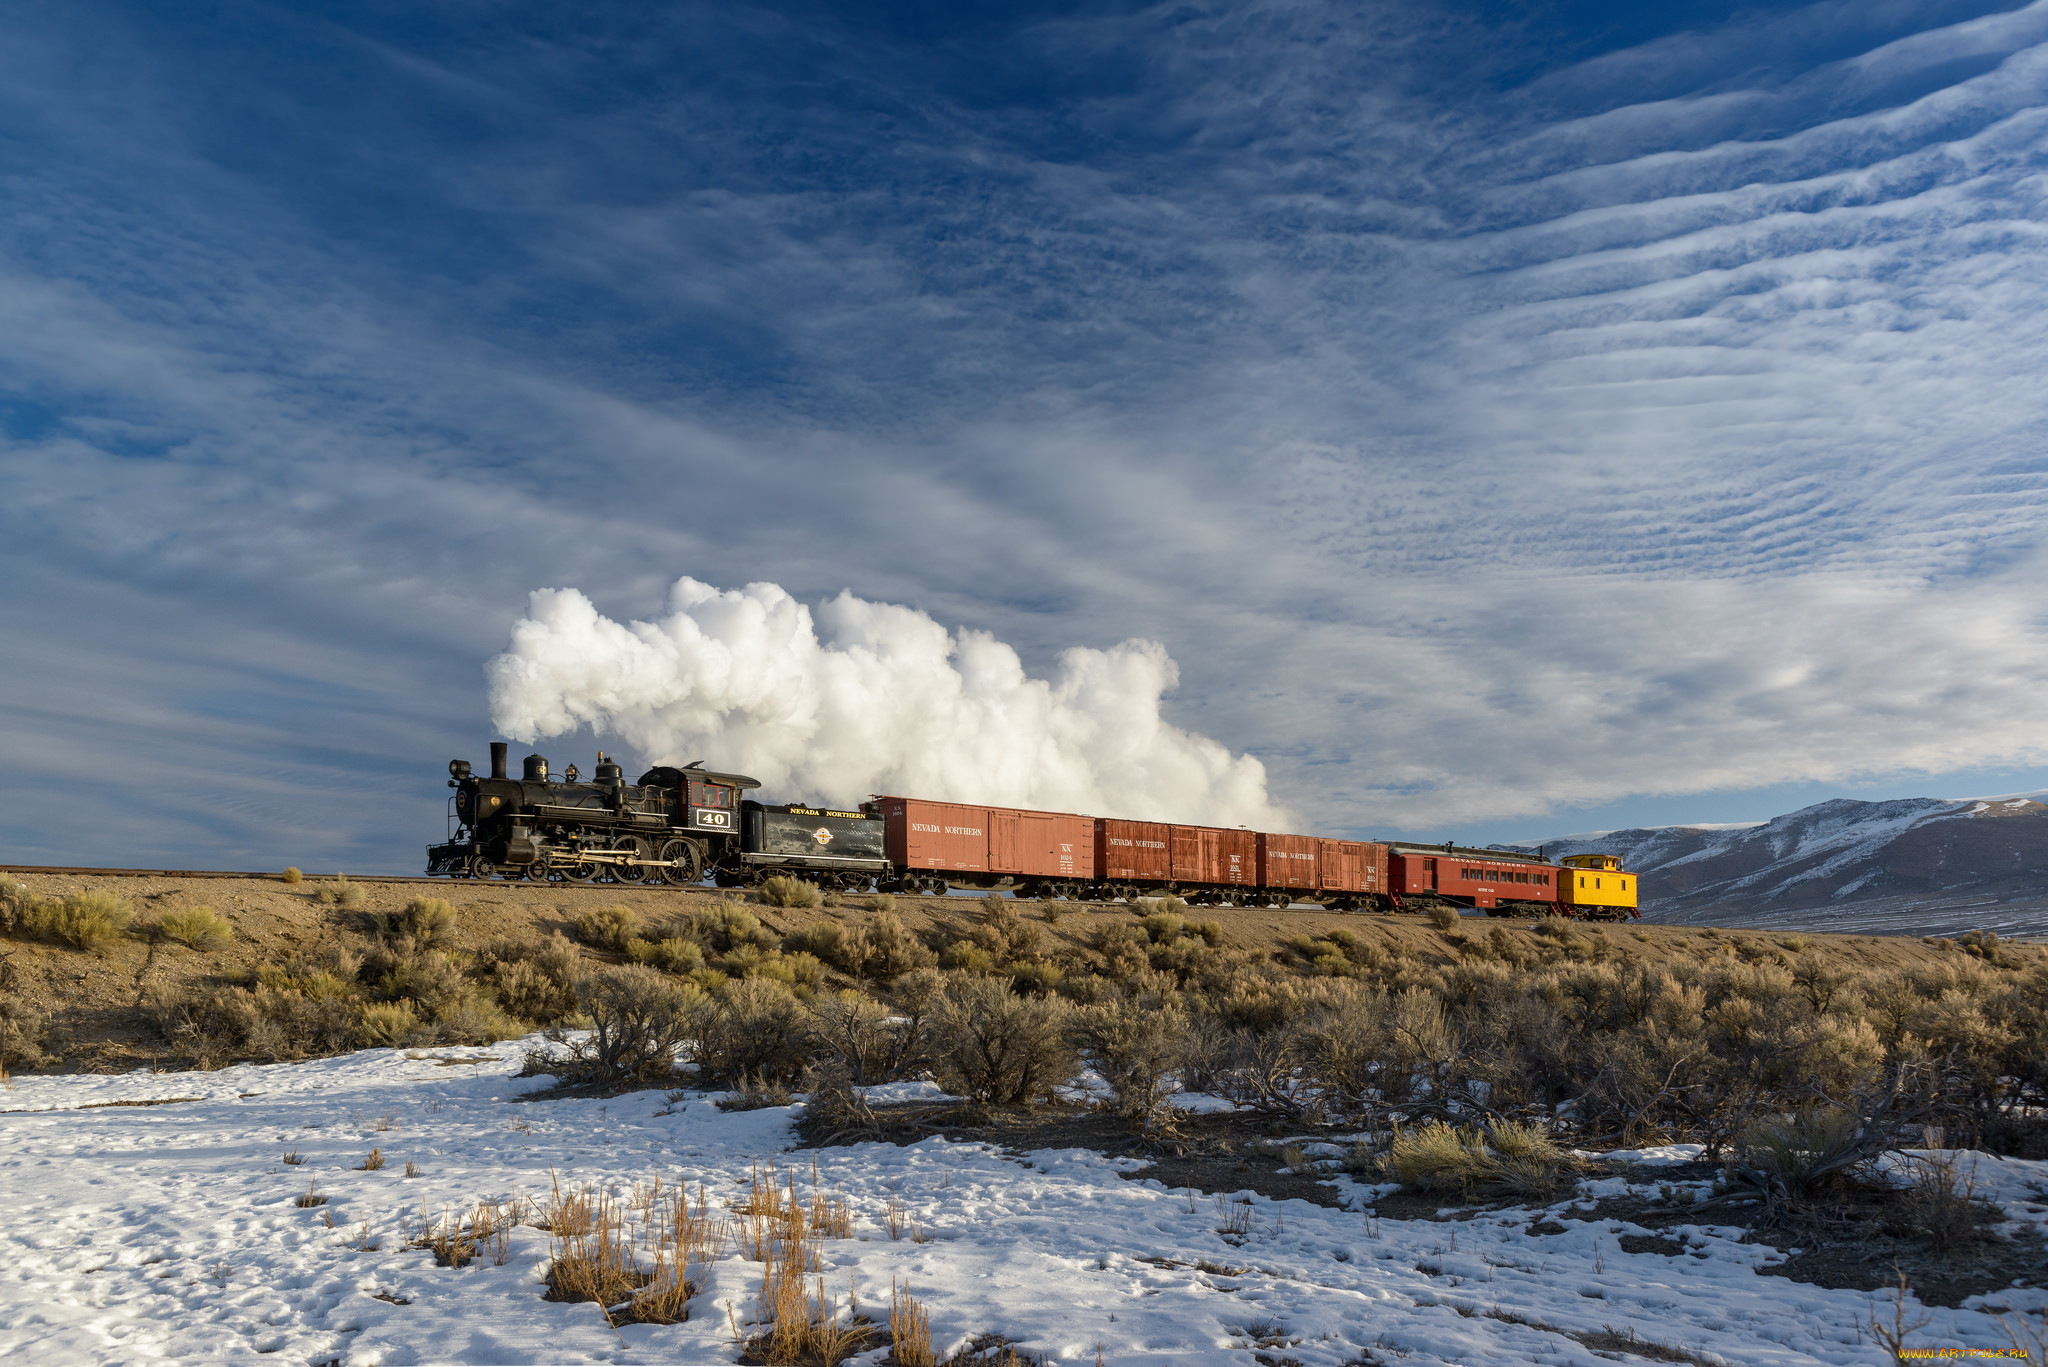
x,y
498,749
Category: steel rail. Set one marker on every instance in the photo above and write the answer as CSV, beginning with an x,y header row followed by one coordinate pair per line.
x,y
272,876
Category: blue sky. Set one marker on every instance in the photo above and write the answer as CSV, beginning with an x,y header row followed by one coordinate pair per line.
x,y
1513,419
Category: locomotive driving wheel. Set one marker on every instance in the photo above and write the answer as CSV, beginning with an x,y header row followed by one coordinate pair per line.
x,y
685,866
633,870
578,869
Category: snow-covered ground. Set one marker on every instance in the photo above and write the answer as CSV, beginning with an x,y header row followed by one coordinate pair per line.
x,y
170,1233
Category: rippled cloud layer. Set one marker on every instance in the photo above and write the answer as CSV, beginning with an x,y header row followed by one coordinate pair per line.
x,y
1489,421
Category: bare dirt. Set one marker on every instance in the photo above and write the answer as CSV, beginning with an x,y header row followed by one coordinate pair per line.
x,y
94,998
1855,1238
1220,1154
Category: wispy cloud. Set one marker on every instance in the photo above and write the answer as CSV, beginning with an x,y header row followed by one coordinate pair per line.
x,y
1483,432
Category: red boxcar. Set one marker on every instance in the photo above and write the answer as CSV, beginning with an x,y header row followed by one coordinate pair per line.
x,y
1040,844
935,835
1133,850
1352,866
1210,854
1288,861
951,837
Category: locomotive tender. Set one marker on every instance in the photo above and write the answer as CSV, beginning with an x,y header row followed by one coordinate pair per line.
x,y
676,825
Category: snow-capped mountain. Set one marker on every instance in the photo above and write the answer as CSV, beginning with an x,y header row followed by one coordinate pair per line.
x,y
1919,866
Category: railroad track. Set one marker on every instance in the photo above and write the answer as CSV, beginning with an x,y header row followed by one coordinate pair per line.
x,y
271,875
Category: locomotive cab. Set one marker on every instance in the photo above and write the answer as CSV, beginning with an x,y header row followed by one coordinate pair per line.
x,y
706,801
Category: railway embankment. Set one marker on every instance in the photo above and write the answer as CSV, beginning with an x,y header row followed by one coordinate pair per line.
x,y
100,1003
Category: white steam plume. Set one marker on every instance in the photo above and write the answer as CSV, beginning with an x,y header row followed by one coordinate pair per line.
x,y
869,698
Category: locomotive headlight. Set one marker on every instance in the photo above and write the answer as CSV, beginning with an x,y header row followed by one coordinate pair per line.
x,y
458,768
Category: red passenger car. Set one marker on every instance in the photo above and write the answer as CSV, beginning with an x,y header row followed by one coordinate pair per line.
x,y
1494,881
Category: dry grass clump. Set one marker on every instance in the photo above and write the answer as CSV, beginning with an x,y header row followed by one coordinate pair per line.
x,y
910,1330
334,1000
1941,1203
15,900
592,1254
83,920
373,1160
1164,927
306,1006
826,940
292,874
882,949
338,892
965,956
460,1009
639,1257
1798,1153
199,928
24,1032
533,980
756,1092
1443,917
424,921
1509,1160
781,890
610,928
461,1238
1438,1158
799,1324
672,955
386,1025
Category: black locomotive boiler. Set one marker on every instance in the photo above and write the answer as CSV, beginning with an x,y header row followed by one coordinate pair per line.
x,y
673,826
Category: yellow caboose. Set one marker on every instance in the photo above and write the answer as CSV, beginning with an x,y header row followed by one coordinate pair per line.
x,y
1596,888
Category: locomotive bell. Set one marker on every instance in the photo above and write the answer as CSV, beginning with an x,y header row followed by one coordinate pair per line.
x,y
536,769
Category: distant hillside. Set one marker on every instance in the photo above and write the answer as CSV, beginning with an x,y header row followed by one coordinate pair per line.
x,y
1915,866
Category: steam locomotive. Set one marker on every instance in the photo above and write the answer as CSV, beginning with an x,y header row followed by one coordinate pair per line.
x,y
671,826
676,825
